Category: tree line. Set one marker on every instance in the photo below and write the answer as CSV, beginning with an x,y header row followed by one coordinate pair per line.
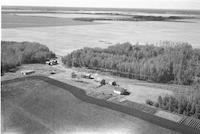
x,y
164,62
14,54
187,105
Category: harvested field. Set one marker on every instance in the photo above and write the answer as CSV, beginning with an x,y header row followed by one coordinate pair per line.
x,y
35,106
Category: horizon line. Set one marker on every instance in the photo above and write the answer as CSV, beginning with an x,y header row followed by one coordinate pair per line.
x,y
102,7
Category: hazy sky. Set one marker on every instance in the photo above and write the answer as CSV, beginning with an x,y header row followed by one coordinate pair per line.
x,y
169,4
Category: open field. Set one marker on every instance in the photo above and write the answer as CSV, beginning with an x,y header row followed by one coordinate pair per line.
x,y
39,107
13,21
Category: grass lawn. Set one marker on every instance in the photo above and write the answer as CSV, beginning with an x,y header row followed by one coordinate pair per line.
x,y
35,106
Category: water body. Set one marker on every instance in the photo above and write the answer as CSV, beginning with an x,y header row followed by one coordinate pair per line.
x,y
66,38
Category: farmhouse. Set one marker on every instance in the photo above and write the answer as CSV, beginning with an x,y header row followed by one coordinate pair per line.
x,y
120,90
27,72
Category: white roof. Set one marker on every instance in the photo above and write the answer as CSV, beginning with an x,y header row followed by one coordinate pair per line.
x,y
25,71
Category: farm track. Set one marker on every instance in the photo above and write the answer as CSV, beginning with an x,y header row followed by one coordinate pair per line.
x,y
81,94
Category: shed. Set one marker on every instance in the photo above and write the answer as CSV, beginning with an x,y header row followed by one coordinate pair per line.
x,y
52,62
120,90
93,76
98,79
89,75
73,75
26,72
112,82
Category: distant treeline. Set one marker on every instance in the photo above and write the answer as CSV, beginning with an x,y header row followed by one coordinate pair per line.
x,y
136,18
14,54
187,105
167,62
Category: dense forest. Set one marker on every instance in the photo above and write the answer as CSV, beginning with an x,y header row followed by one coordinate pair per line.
x,y
14,54
164,62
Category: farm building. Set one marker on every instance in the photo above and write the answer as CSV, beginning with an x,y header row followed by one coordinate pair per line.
x,y
88,75
100,80
27,72
93,76
120,90
52,62
73,75
112,83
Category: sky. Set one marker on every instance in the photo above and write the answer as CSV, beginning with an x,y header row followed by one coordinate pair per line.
x,y
158,4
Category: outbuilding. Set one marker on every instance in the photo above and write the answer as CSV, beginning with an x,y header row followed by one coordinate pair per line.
x,y
89,76
98,79
120,90
93,76
27,72
73,75
112,83
52,62
85,75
